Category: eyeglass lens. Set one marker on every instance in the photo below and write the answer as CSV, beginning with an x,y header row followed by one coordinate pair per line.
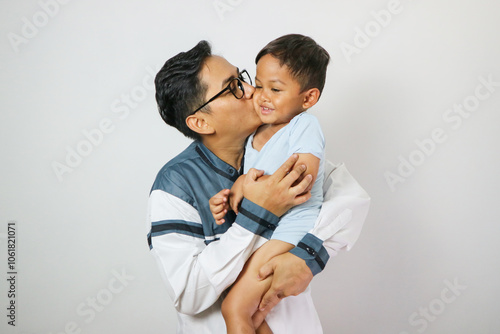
x,y
236,86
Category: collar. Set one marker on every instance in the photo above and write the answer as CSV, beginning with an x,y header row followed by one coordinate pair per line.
x,y
215,163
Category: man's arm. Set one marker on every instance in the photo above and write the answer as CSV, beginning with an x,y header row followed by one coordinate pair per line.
x,y
340,221
338,227
196,274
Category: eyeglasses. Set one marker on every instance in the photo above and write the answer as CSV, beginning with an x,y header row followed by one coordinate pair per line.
x,y
235,86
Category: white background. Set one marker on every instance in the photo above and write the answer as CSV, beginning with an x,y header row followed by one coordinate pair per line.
x,y
67,68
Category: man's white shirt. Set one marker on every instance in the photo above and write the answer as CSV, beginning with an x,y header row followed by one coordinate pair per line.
x,y
199,260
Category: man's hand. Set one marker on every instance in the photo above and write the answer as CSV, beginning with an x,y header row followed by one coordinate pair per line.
x,y
278,193
291,276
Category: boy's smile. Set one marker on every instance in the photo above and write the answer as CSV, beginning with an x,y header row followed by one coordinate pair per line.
x,y
265,111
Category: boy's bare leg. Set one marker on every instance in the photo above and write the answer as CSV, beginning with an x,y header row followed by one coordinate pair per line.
x,y
264,329
243,299
259,318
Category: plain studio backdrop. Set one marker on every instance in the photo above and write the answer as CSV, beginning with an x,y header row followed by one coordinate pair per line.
x,y
411,105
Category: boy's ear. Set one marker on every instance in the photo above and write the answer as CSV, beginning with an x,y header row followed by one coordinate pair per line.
x,y
311,96
198,123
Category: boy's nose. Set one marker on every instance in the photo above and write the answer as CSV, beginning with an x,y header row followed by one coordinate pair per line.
x,y
263,96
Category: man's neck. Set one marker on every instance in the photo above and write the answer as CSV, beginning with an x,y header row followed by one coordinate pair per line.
x,y
230,152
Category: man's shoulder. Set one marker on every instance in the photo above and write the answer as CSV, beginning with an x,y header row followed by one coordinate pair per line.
x,y
177,170
186,157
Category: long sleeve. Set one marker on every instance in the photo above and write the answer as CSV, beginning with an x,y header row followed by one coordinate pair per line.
x,y
195,273
340,221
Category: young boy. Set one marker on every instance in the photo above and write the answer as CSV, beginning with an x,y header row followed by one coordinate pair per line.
x,y
291,72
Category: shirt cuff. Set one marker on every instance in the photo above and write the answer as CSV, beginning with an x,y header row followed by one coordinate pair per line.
x,y
256,219
311,250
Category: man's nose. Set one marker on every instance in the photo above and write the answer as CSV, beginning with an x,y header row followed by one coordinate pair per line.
x,y
249,90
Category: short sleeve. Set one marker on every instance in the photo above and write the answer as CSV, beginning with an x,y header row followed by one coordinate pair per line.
x,y
306,136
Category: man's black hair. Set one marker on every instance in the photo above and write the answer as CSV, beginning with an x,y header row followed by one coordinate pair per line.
x,y
179,89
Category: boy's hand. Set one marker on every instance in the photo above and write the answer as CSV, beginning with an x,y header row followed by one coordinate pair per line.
x,y
236,195
219,206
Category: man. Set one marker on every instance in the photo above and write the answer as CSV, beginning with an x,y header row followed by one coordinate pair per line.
x,y
210,100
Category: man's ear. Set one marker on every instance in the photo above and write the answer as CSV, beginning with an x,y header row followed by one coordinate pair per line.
x,y
311,96
198,123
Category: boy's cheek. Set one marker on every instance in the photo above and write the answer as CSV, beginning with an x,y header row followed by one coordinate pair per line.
x,y
255,97
255,103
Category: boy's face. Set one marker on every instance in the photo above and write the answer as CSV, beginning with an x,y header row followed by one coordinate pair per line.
x,y
277,98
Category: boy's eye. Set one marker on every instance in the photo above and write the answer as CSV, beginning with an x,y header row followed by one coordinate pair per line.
x,y
258,87
275,90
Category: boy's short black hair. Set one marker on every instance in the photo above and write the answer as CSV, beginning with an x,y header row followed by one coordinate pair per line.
x,y
306,60
179,89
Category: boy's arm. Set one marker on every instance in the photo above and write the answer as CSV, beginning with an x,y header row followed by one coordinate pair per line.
x,y
305,138
312,164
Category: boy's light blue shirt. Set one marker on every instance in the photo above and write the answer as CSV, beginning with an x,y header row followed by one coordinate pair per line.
x,y
302,135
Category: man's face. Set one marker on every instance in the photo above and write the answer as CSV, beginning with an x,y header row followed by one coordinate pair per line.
x,y
229,116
